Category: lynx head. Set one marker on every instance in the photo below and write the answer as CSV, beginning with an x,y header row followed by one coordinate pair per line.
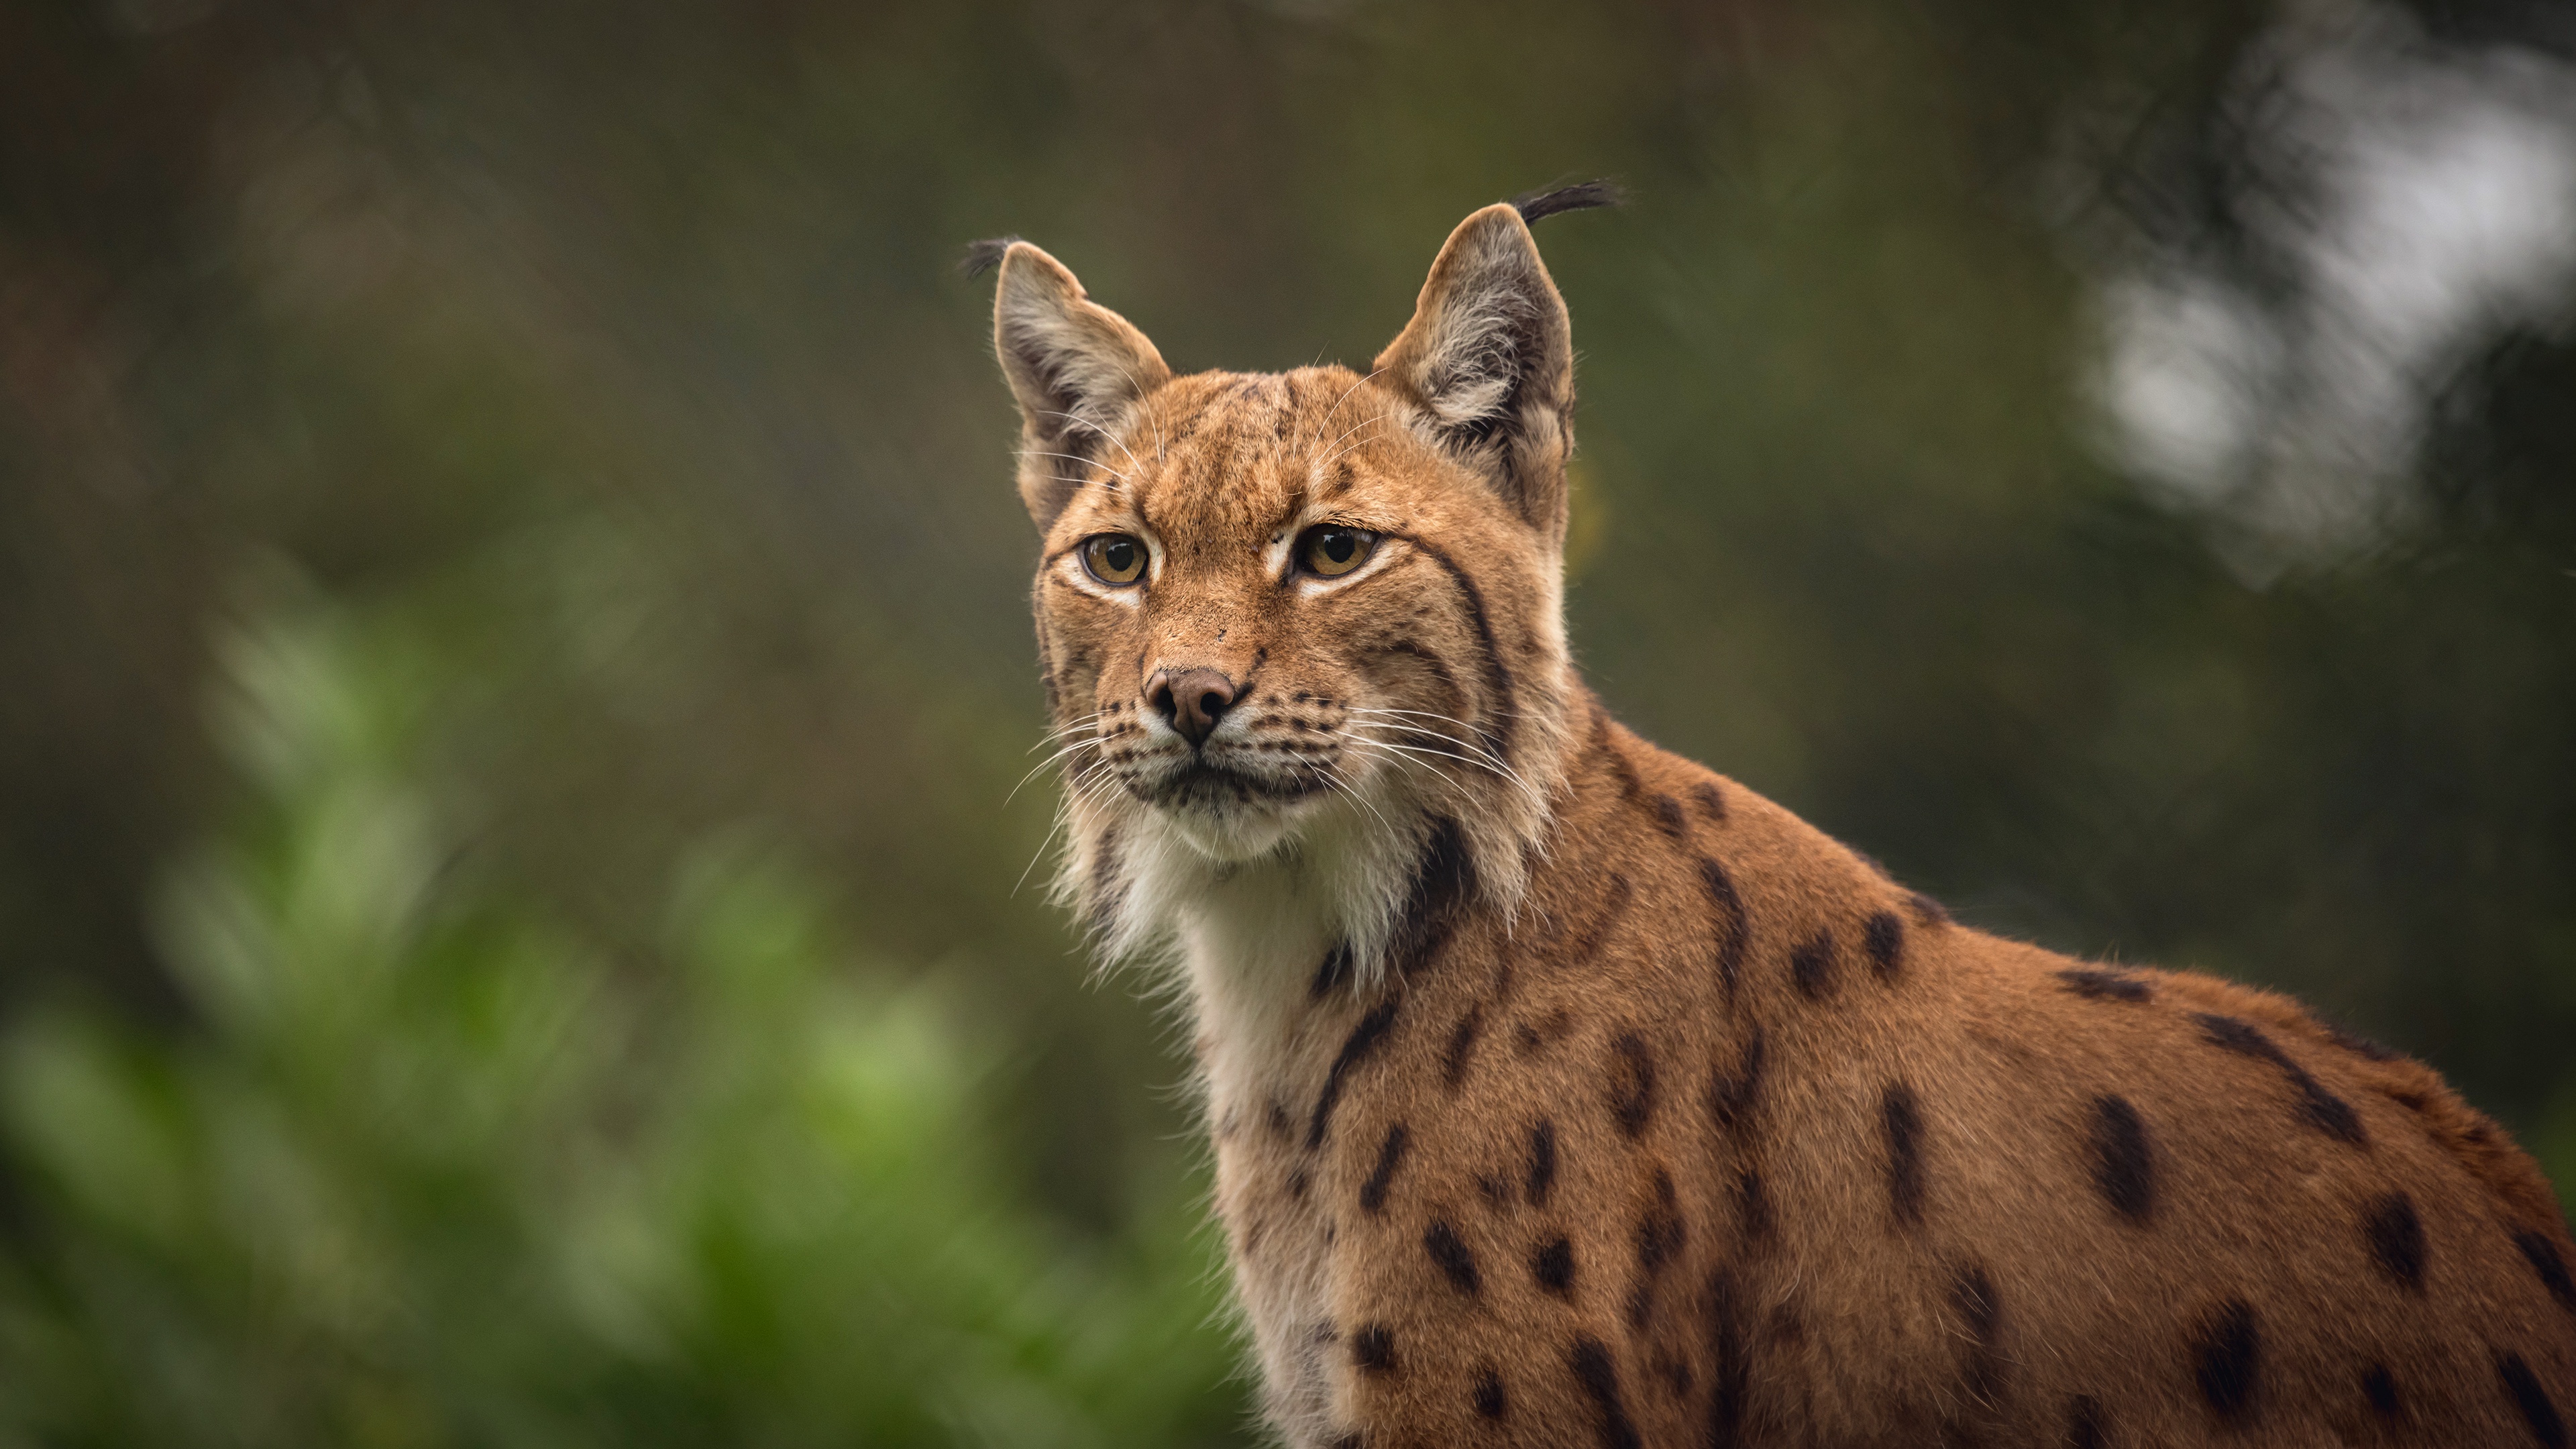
x,y
1302,628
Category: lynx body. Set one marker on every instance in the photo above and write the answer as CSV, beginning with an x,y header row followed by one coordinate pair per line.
x,y
1564,1092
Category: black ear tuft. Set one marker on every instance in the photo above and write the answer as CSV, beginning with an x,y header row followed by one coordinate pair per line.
x,y
983,256
1582,196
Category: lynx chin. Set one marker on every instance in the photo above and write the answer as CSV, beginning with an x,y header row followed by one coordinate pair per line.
x,y
1567,1093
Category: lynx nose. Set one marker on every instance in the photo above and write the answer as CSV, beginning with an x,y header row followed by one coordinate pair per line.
x,y
1191,701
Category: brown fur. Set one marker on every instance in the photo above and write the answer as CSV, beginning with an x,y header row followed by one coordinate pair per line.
x,y
1566,1093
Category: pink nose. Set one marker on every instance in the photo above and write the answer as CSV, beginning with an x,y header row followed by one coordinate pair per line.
x,y
1191,701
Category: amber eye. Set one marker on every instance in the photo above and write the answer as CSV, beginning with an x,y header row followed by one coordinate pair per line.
x,y
1330,551
1114,558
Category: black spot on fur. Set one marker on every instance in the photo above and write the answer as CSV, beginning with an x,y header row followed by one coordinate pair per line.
x,y
2124,1161
2227,1359
1731,1099
1542,1163
1553,1266
2106,985
2543,1255
1901,1120
1730,1364
1599,1377
2396,1238
2379,1386
1980,1311
1884,939
1752,1207
2323,1110
1710,800
2533,1400
1462,1043
1586,943
1373,1348
1632,1084
1731,921
1811,967
1359,1046
1582,196
1298,1183
2086,1427
1352,1440
1490,1402
1669,819
1390,1156
1334,974
1443,882
1660,1233
1281,1129
1441,1241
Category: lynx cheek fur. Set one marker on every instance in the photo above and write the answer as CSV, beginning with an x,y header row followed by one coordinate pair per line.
x,y
1566,1093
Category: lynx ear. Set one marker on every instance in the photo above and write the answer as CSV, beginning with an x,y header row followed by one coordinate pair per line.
x,y
1489,360
1076,368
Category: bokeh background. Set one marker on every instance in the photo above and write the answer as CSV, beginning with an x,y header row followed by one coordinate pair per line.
x,y
515,928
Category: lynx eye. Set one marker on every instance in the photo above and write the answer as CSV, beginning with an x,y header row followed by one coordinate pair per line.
x,y
1114,558
1332,551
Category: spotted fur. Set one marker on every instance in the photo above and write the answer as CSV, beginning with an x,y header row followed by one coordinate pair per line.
x,y
1567,1093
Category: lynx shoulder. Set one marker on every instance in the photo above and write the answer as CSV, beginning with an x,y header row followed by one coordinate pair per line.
x,y
1565,1092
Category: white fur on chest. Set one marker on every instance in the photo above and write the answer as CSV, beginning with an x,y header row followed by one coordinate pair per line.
x,y
1251,949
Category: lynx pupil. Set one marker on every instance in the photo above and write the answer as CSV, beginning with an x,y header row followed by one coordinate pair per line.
x,y
1114,558
1331,551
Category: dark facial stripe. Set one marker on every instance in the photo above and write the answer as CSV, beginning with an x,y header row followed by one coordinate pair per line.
x,y
1884,941
1373,1348
1363,1041
1901,1120
2227,1359
1632,1084
1390,1156
1600,1380
2533,1400
2106,985
2322,1109
1442,1242
1504,707
2124,1164
2396,1237
1439,669
1542,1163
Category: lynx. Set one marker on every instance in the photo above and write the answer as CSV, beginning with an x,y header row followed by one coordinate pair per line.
x,y
1564,1092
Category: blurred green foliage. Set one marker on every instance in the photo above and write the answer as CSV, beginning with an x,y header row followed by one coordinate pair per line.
x,y
422,1176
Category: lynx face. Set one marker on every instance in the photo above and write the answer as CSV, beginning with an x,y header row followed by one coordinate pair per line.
x,y
1299,619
